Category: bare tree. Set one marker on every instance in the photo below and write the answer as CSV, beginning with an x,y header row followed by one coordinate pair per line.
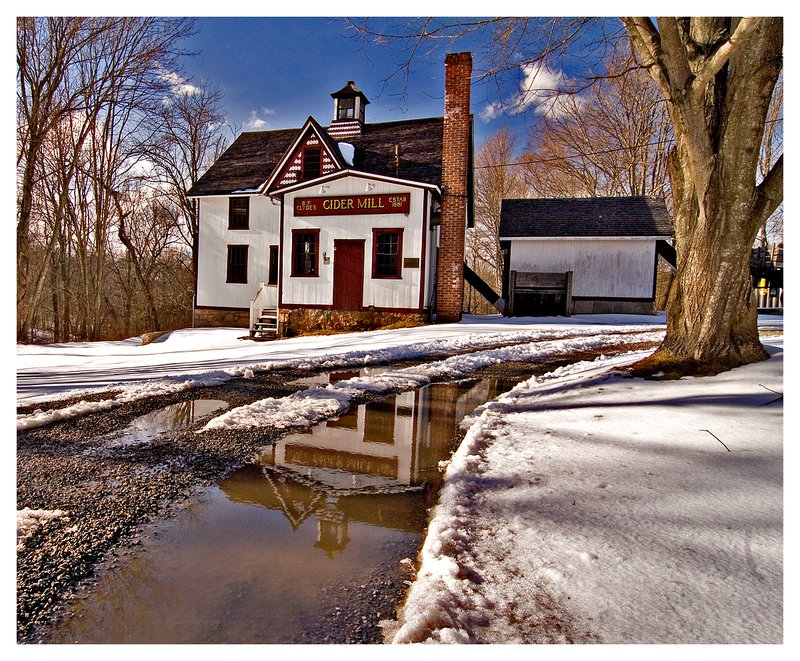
x,y
717,76
83,71
495,180
188,136
612,140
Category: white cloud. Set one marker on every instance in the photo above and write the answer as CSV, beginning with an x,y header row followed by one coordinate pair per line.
x,y
180,86
255,122
541,91
267,111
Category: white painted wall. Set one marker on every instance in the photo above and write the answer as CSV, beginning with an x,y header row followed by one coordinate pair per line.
x,y
215,237
381,293
618,268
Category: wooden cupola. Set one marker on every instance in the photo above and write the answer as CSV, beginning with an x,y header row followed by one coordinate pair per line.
x,y
349,111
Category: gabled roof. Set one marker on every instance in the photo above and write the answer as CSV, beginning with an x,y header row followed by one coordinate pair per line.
x,y
585,217
253,157
246,164
311,126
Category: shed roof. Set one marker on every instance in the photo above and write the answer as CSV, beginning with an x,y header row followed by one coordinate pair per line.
x,y
254,155
585,217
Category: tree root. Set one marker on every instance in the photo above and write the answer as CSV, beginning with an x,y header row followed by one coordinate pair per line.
x,y
663,364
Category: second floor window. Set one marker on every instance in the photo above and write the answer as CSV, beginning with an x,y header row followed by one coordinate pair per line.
x,y
238,213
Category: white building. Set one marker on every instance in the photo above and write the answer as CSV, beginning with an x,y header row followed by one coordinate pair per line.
x,y
338,226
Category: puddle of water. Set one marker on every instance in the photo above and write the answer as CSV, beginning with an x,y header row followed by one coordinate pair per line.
x,y
168,419
324,378
272,553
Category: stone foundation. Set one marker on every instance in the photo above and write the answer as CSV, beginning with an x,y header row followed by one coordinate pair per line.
x,y
221,317
301,321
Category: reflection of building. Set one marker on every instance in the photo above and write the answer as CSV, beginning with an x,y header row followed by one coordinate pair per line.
x,y
331,528
378,463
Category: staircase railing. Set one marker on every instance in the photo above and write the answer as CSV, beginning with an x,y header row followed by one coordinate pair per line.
x,y
266,297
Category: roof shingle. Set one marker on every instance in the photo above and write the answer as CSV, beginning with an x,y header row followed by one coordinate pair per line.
x,y
254,155
585,217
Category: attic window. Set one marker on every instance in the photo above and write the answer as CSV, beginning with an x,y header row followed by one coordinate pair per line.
x,y
312,162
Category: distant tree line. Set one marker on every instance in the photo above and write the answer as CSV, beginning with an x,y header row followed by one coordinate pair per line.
x,y
109,138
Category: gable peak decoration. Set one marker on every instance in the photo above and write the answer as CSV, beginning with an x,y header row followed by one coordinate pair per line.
x,y
311,155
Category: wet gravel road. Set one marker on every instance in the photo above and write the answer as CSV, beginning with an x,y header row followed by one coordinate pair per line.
x,y
115,495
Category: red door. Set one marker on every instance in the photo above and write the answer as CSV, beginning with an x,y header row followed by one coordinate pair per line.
x,y
348,274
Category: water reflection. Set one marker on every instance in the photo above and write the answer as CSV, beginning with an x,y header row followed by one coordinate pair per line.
x,y
366,465
277,551
165,420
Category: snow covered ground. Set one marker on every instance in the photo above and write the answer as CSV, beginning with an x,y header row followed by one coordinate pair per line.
x,y
642,511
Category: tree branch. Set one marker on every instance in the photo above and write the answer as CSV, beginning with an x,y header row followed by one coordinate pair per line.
x,y
711,66
770,193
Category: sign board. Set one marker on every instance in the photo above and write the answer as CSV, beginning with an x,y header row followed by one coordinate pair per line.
x,y
347,205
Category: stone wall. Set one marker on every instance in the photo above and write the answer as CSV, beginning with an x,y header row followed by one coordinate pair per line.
x,y
221,317
301,321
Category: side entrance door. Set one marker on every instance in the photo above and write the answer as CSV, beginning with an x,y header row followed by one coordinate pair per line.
x,y
348,274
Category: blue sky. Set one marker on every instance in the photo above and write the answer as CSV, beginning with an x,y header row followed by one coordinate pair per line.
x,y
276,71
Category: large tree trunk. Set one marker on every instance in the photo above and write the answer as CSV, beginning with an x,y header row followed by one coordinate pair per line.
x,y
711,308
717,76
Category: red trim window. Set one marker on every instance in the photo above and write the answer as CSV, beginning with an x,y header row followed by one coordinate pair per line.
x,y
237,264
305,253
238,213
387,253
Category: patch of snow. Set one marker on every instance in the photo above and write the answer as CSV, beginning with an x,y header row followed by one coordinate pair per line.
x,y
30,520
601,501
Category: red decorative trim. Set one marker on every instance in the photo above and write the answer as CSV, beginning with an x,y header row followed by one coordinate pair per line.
x,y
281,241
387,230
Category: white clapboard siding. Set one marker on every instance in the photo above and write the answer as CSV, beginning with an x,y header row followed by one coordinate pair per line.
x,y
215,237
614,268
402,293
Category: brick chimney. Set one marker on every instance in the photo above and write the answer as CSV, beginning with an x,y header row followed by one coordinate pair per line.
x,y
455,163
